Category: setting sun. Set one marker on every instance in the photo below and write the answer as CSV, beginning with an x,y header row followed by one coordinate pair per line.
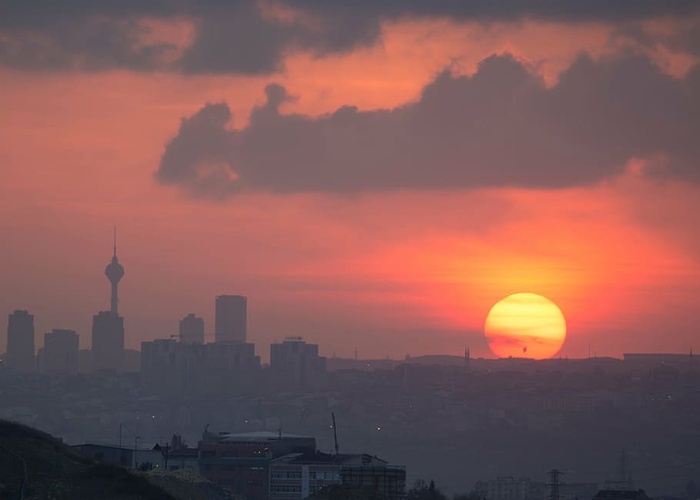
x,y
525,325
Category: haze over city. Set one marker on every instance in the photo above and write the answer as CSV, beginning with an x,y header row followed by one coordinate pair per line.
x,y
350,250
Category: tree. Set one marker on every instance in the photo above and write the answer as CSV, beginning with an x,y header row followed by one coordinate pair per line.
x,y
473,495
145,466
425,491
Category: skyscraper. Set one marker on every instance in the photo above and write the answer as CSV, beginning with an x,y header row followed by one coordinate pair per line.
x,y
192,329
107,341
230,318
296,365
108,326
60,352
20,342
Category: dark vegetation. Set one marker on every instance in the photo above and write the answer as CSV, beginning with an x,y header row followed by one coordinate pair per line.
x,y
421,490
40,467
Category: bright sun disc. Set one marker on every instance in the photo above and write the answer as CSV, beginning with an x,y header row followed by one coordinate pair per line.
x,y
525,325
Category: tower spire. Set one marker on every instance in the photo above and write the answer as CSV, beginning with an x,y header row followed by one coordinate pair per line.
x,y
115,241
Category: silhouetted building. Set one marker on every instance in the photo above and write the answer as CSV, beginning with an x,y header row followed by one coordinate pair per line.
x,y
60,353
174,367
192,329
107,326
231,318
171,367
107,341
296,365
20,342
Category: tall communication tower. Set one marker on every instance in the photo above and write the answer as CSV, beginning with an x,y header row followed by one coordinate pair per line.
x,y
114,272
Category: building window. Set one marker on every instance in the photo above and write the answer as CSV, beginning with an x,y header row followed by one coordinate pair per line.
x,y
285,475
285,488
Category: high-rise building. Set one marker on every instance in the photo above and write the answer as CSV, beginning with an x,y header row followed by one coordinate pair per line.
x,y
296,365
107,341
192,329
107,326
218,368
20,342
60,352
230,318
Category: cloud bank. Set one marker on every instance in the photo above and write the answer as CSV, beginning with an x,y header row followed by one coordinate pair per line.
x,y
501,127
248,37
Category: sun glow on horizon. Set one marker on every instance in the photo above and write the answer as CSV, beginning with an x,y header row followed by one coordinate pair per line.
x,y
525,325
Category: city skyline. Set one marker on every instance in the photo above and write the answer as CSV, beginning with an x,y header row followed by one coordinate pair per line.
x,y
373,178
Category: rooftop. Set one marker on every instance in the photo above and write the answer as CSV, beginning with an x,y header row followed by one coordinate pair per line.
x,y
260,436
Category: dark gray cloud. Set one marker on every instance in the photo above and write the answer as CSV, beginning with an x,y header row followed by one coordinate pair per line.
x,y
235,37
505,10
499,127
93,45
685,37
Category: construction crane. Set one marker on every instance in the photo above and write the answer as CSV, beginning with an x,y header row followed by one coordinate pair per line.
x,y
335,435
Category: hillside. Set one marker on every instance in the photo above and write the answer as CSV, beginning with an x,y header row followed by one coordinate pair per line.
x,y
56,472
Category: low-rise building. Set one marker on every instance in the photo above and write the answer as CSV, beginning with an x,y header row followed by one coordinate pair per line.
x,y
241,462
299,475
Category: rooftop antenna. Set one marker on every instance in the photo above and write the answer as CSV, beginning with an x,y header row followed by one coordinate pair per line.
x,y
335,435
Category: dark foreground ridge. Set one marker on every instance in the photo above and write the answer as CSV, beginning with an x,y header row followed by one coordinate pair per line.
x,y
40,467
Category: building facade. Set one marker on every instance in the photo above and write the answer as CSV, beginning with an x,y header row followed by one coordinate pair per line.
x,y
296,365
174,367
192,329
230,318
60,353
20,342
107,341
372,473
299,475
241,462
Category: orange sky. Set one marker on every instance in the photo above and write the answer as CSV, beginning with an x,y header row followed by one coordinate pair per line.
x,y
383,272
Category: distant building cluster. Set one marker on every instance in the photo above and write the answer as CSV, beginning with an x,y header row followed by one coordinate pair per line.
x,y
61,353
183,363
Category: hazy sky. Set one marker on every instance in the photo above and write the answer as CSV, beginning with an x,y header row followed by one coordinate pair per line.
x,y
373,175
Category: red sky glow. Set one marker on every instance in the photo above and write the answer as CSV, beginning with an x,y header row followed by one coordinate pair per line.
x,y
375,250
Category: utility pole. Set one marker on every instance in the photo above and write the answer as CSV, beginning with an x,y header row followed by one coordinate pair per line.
x,y
554,484
167,449
136,444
